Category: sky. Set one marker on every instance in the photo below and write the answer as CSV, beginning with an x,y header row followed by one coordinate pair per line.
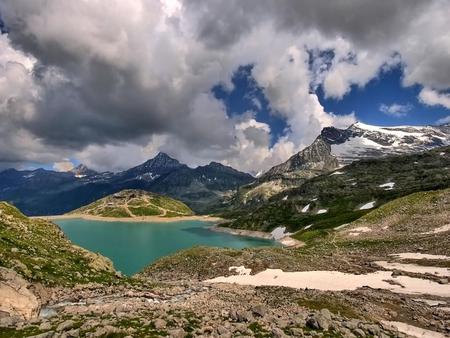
x,y
111,83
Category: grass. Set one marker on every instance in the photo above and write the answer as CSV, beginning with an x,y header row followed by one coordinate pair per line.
x,y
342,195
38,250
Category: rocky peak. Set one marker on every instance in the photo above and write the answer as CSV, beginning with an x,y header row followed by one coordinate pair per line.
x,y
81,169
315,158
162,160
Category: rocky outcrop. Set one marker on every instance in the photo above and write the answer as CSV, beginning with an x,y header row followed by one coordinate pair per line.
x,y
309,162
17,300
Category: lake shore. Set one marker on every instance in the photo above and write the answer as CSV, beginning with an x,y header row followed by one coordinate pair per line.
x,y
159,219
286,241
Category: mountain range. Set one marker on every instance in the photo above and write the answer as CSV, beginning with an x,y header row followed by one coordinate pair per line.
x,y
46,192
215,187
334,148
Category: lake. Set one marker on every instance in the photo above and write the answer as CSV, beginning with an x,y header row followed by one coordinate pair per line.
x,y
133,245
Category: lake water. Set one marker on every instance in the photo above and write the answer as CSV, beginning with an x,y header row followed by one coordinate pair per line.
x,y
133,245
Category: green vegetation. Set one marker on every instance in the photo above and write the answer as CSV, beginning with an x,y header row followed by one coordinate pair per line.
x,y
342,195
38,250
135,203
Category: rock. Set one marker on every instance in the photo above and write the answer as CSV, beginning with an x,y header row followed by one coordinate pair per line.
x,y
48,334
45,326
259,310
106,331
66,325
443,281
278,333
17,299
223,331
14,250
160,324
243,316
319,321
296,332
177,333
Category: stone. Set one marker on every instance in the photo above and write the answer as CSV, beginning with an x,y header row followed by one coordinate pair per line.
x,y
243,316
160,324
278,333
17,298
66,325
45,326
177,333
259,310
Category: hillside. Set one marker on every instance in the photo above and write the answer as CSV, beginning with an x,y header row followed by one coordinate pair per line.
x,y
135,203
39,251
346,194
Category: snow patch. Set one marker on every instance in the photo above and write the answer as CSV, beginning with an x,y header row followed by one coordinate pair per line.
x,y
366,206
430,302
338,281
358,231
388,186
322,211
308,226
418,255
306,208
413,331
279,233
443,228
240,270
414,268
285,198
337,173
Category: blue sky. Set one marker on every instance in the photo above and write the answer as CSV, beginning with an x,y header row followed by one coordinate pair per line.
x,y
365,102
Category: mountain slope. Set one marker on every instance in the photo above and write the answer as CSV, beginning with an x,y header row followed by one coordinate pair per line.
x,y
344,195
135,203
365,141
38,250
336,147
44,192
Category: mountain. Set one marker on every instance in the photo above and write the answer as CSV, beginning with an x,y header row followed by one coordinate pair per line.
x,y
365,141
309,162
332,199
334,148
134,203
46,192
82,171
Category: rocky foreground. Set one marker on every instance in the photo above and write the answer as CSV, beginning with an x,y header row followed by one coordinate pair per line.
x,y
408,240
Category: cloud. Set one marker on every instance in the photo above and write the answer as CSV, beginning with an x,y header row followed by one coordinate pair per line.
x,y
111,82
444,120
396,110
63,166
432,98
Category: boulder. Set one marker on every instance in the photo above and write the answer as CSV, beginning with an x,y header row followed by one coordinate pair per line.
x,y
17,300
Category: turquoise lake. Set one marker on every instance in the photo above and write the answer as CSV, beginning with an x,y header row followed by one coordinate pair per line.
x,y
133,245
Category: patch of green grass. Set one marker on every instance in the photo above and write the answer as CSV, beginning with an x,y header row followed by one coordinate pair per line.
x,y
147,210
114,212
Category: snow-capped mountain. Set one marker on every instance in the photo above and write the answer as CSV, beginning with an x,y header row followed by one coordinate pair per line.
x,y
366,141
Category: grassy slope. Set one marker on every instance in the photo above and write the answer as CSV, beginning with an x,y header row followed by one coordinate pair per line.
x,y
131,203
38,250
343,194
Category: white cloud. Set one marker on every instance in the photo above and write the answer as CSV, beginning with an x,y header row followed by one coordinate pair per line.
x,y
396,110
65,165
432,98
444,120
